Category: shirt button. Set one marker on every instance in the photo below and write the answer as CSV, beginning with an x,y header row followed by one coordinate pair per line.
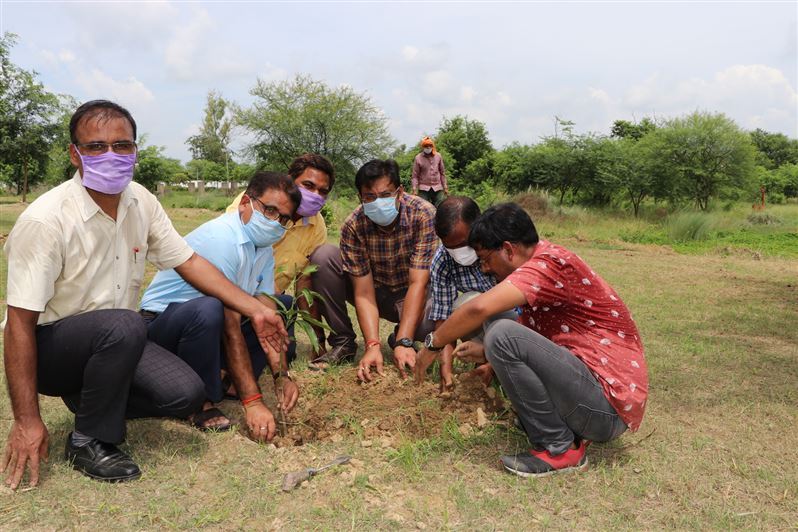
x,y
117,257
118,287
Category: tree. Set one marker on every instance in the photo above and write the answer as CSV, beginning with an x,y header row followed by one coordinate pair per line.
x,y
623,129
465,140
305,115
28,122
774,149
704,155
625,168
153,166
211,143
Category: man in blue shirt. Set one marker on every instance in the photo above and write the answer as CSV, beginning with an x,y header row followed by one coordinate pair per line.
x,y
195,327
455,269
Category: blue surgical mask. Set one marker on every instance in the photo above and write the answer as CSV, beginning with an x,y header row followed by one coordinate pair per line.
x,y
381,211
262,231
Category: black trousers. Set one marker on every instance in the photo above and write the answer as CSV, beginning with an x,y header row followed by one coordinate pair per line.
x,y
193,331
104,368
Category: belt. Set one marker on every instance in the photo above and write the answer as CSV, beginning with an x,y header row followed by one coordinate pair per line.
x,y
148,314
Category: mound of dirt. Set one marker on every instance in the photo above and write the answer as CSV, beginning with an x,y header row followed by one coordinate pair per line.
x,y
336,406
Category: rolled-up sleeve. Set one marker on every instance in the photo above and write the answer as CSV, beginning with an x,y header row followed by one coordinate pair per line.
x,y
165,247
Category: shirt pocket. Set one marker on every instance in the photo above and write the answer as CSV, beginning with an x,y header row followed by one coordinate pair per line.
x,y
136,268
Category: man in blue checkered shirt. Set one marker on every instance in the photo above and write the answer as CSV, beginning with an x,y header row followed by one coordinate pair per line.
x,y
455,269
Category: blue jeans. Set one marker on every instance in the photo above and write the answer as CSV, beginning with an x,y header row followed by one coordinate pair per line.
x,y
555,395
193,331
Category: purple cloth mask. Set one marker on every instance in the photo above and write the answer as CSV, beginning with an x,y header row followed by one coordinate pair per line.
x,y
108,173
311,203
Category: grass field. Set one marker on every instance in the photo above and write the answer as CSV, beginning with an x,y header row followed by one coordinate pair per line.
x,y
718,319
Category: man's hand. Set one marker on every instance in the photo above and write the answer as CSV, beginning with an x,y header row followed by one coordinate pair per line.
x,y
404,357
287,393
470,351
483,372
424,360
260,421
268,326
446,368
27,443
446,191
372,358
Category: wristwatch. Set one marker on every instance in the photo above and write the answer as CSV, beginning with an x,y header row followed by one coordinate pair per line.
x,y
276,375
429,343
405,342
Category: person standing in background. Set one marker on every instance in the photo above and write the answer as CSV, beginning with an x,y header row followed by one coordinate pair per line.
x,y
429,174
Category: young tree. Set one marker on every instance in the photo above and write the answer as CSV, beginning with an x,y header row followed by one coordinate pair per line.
x,y
625,168
465,140
28,122
305,115
212,142
706,155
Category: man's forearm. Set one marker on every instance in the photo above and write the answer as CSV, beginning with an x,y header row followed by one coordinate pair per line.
x,y
412,310
368,315
237,355
20,357
206,278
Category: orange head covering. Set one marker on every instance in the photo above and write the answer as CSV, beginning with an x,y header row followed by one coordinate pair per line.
x,y
426,141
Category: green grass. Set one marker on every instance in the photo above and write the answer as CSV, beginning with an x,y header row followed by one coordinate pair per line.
x,y
717,317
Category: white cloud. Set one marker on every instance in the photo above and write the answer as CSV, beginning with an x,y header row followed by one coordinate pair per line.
x,y
196,52
129,93
409,53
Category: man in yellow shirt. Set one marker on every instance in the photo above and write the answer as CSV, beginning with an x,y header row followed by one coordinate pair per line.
x,y
315,176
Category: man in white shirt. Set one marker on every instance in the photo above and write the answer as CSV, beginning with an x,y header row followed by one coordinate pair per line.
x,y
75,266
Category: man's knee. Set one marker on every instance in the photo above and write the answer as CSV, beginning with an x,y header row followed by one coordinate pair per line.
x,y
208,312
325,256
185,397
497,346
123,330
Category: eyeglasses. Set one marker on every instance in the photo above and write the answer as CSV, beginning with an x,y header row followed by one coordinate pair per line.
x,y
368,198
123,147
272,213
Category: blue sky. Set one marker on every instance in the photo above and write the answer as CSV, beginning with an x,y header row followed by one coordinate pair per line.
x,y
511,65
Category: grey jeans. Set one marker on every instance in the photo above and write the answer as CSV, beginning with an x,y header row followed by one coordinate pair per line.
x,y
556,396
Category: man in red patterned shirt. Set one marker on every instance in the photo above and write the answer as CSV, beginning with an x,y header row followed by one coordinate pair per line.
x,y
572,365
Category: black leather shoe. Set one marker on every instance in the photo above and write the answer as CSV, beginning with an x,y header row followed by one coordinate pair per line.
x,y
101,461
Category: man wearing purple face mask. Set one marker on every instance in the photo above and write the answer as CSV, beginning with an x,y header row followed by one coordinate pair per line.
x,y
314,175
76,260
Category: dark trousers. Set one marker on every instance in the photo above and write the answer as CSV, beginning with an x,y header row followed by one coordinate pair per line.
x,y
103,367
554,393
433,196
335,287
193,331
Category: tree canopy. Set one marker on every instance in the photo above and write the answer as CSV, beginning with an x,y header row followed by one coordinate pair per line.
x,y
212,142
306,115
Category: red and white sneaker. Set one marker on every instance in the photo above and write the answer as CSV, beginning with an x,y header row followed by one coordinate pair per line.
x,y
542,463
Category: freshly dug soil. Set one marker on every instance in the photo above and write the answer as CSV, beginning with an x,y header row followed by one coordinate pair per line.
x,y
335,406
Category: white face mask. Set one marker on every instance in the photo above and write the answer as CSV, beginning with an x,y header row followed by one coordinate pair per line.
x,y
465,256
427,150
